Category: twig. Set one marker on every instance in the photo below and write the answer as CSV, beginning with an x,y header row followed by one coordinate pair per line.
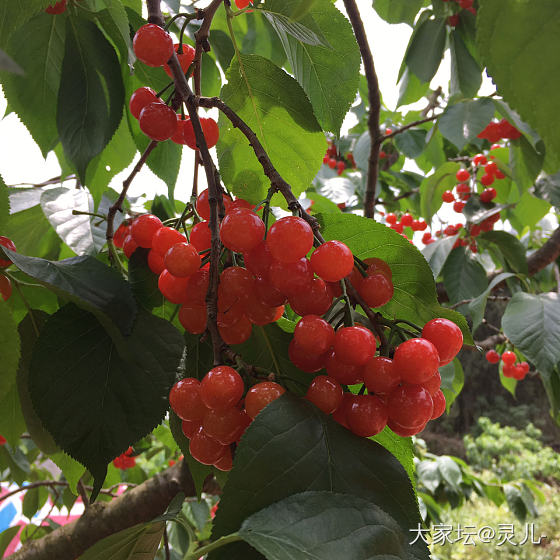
x,y
548,253
374,105
53,181
406,194
491,298
410,125
490,342
83,494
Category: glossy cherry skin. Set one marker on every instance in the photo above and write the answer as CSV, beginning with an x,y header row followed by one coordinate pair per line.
x,y
260,395
221,388
446,336
416,360
325,393
152,45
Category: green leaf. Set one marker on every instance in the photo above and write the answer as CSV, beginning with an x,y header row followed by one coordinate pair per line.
x,y
119,19
398,11
525,163
9,350
520,48
515,501
32,501
508,383
199,472
295,29
139,542
400,447
436,253
91,94
14,14
415,293
461,123
8,64
275,107
452,381
72,470
450,472
411,89
433,187
12,423
87,282
143,281
411,142
425,50
324,525
38,47
211,80
429,475
548,188
532,323
477,306
29,329
291,435
530,210
463,276
329,76
511,248
8,534
97,393
466,73
4,204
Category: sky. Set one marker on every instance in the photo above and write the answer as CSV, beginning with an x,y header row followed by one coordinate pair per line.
x,y
22,161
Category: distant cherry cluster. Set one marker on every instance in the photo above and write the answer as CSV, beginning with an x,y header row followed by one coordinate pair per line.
x,y
509,368
335,161
454,19
5,282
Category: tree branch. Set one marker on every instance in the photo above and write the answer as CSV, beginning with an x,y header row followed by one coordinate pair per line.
x,y
410,125
490,342
374,105
548,253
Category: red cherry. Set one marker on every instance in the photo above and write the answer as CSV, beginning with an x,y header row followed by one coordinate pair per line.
x,y
185,400
291,278
236,283
463,188
402,431
508,358
380,376
5,287
491,168
185,59
261,314
398,227
259,260
310,363
152,45
492,356
201,236
57,8
238,333
289,239
354,345
225,426
9,244
446,336
313,334
410,405
427,238
341,413
343,373
242,231
129,246
325,393
144,228
267,294
479,159
193,318
165,238
179,135
433,384
376,289
462,175
140,98
197,286
487,195
221,388
486,180
439,404
391,218
332,261
407,219
205,449
367,415
453,20
225,462
155,262
315,299
120,234
174,289
203,204
158,121
416,360
447,196
189,428
209,129
260,395
182,260
458,206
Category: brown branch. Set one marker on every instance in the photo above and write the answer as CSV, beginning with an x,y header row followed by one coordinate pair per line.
x,y
138,505
548,253
374,105
490,342
410,125
406,194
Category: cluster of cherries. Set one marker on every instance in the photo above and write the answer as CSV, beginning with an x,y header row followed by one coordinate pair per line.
x,y
5,283
454,19
57,7
125,460
334,161
405,220
496,131
509,367
154,47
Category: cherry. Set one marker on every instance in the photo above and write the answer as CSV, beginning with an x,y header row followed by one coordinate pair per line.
x,y
315,301
120,234
203,205
231,314
438,399
258,260
458,206
174,289
179,135
238,333
427,238
433,384
291,278
189,428
260,395
344,373
242,231
193,318
310,363
416,360
524,367
221,388
376,289
209,129
354,345
453,20
380,376
225,462
9,244
267,294
410,405
260,314
152,45
205,449
57,8
446,336
509,370
289,239
447,196
462,175
332,261
463,188
391,218
185,58
140,98
486,180
313,334
129,246
185,400
402,431
197,286
144,228
325,393
487,195
508,358
479,159
201,236
367,415
155,262
165,238
236,283
158,121
5,287
407,219
341,413
182,260
398,227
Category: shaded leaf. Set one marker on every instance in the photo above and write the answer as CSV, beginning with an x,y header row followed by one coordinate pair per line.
x,y
425,50
9,350
398,11
466,73
436,253
460,123
452,381
463,276
433,187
